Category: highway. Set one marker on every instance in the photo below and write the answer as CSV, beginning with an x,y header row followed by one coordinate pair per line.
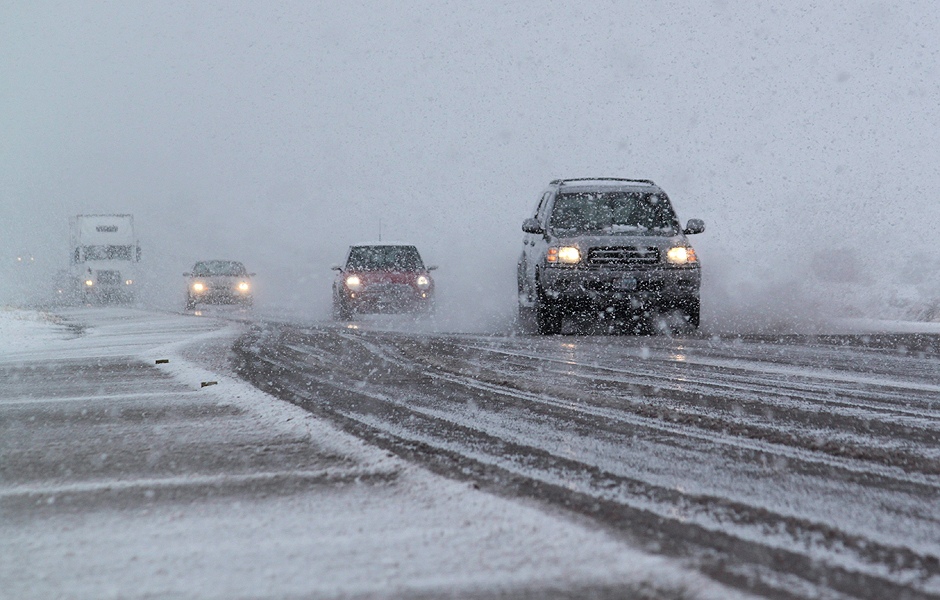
x,y
787,466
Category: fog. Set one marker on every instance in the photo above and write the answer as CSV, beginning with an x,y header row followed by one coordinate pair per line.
x,y
805,136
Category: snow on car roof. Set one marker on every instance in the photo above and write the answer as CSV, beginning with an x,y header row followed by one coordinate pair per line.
x,y
602,182
382,244
218,261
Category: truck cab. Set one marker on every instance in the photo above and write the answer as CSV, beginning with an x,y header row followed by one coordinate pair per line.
x,y
104,256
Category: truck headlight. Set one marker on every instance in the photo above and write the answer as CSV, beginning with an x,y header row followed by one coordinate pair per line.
x,y
243,286
423,282
353,282
89,282
681,255
568,255
199,287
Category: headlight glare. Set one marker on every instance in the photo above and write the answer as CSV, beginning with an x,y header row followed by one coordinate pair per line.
x,y
89,282
423,282
681,255
199,287
568,255
353,282
243,286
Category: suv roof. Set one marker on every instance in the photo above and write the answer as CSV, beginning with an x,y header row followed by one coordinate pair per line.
x,y
359,245
602,181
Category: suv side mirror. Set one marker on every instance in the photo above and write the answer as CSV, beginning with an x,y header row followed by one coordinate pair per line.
x,y
694,226
187,274
432,267
336,268
532,226
252,274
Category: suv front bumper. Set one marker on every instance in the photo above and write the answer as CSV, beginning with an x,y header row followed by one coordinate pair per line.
x,y
588,287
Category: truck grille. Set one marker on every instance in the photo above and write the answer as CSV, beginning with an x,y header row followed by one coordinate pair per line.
x,y
109,277
624,255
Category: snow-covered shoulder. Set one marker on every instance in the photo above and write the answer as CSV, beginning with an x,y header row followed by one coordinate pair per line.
x,y
28,330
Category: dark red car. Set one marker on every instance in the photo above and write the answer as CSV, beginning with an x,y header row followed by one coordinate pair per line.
x,y
382,278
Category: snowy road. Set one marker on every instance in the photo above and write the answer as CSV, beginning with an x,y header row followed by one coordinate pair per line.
x,y
122,477
786,466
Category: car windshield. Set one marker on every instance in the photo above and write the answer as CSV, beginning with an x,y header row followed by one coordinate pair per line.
x,y
612,213
402,258
211,268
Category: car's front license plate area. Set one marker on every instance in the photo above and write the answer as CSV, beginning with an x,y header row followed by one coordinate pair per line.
x,y
627,284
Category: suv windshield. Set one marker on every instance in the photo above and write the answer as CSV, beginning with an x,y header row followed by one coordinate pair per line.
x,y
403,258
219,267
612,213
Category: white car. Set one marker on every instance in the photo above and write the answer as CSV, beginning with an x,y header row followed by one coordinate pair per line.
x,y
219,282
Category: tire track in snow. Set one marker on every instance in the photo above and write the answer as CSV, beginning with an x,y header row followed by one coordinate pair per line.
x,y
375,390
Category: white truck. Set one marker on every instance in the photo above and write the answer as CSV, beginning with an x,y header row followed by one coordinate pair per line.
x,y
104,256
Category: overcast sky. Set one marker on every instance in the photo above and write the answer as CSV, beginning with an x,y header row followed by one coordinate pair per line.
x,y
278,134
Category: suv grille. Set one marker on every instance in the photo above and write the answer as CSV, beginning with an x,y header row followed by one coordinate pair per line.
x,y
624,255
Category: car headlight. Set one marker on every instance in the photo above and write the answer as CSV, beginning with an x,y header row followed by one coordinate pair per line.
x,y
681,255
89,282
353,282
129,282
423,282
568,255
199,287
243,286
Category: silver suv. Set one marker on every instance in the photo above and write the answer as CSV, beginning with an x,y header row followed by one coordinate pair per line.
x,y
610,248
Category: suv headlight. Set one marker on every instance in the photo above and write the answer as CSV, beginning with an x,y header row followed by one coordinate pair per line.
x,y
243,286
199,287
353,282
567,255
423,282
681,255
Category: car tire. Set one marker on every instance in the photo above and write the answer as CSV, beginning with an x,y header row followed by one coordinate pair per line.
x,y
526,319
679,318
520,283
428,309
692,308
341,312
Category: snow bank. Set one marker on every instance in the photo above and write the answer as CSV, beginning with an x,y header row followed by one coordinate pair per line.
x,y
24,331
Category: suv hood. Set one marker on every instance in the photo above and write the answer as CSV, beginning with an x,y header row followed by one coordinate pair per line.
x,y
585,242
624,251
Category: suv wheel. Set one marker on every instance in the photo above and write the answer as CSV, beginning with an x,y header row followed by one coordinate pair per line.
x,y
547,318
692,308
681,318
526,319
